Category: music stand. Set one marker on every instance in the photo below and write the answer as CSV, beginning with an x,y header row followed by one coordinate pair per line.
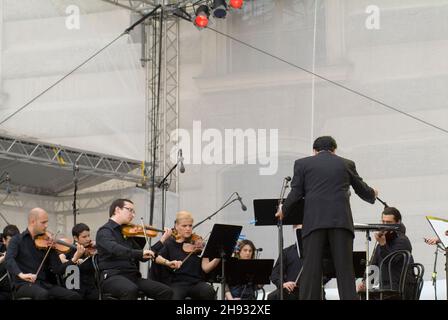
x,y
359,264
265,209
248,272
440,227
221,244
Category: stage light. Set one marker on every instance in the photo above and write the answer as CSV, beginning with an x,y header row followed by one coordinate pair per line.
x,y
202,14
219,9
236,4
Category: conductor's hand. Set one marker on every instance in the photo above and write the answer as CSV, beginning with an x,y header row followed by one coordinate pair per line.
x,y
279,215
290,286
148,254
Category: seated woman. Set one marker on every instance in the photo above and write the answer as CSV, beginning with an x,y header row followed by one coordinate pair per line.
x,y
247,291
187,280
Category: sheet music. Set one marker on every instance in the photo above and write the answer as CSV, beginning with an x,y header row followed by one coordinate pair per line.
x,y
440,227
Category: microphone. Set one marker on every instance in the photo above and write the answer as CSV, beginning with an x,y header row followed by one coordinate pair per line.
x,y
259,249
8,183
288,178
181,160
241,201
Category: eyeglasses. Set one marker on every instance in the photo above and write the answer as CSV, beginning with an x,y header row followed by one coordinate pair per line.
x,y
129,209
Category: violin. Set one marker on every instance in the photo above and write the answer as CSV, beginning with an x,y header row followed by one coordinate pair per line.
x,y
90,249
192,245
45,241
134,230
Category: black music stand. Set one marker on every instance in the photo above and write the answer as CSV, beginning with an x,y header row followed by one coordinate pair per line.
x,y
221,244
265,209
249,272
359,264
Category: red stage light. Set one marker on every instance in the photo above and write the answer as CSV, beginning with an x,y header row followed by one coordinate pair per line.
x,y
201,21
237,4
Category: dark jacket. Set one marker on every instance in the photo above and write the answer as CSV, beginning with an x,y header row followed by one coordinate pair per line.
x,y
291,266
324,182
399,241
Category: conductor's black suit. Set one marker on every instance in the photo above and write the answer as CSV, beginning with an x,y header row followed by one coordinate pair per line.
x,y
323,180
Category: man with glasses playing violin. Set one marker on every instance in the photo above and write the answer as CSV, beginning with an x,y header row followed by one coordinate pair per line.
x,y
87,288
118,258
31,267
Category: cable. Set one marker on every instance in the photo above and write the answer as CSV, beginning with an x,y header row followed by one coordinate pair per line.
x,y
330,81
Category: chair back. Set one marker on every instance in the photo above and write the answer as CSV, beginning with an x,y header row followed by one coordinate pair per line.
x,y
394,270
414,281
97,276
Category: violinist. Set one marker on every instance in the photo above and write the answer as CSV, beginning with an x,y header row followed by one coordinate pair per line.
x,y
29,266
81,235
187,280
388,242
5,287
292,264
119,256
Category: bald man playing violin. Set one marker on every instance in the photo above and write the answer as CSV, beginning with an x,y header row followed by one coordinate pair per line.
x,y
30,267
119,256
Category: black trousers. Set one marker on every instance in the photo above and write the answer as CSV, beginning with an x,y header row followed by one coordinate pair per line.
x,y
45,291
126,287
199,291
341,247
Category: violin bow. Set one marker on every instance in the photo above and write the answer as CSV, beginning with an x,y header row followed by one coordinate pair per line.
x,y
189,255
146,236
45,257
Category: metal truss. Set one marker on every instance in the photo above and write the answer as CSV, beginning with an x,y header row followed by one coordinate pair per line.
x,y
65,158
162,118
86,202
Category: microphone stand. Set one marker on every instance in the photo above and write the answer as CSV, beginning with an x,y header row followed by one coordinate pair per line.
x,y
226,204
223,258
280,236
434,272
75,181
164,186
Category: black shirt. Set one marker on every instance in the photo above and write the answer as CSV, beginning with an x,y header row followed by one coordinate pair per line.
x,y
4,282
23,256
86,271
191,269
116,252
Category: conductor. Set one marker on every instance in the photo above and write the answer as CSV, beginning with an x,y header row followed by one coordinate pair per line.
x,y
324,180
